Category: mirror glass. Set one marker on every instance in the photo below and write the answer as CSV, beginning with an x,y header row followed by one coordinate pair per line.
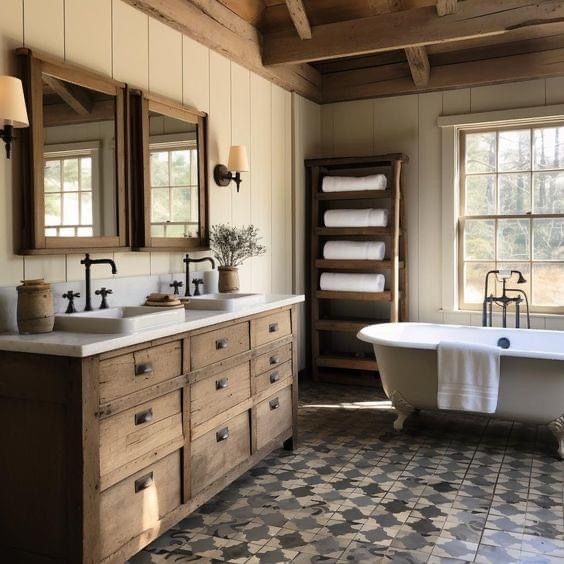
x,y
80,194
174,179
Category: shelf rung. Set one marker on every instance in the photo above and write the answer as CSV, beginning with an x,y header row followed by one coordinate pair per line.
x,y
385,296
352,363
356,195
330,264
346,325
343,231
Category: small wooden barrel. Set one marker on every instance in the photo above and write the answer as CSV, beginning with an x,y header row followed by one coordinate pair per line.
x,y
35,312
228,279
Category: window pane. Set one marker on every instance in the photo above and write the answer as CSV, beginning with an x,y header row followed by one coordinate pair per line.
x,y
180,167
159,168
84,231
474,278
70,174
176,231
86,173
548,239
86,208
70,209
181,204
524,268
160,205
548,284
548,149
52,176
479,236
514,150
157,230
480,152
50,232
514,193
513,237
480,194
548,188
194,167
67,232
52,209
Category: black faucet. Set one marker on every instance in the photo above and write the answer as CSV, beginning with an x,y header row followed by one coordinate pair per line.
x,y
504,300
187,260
88,262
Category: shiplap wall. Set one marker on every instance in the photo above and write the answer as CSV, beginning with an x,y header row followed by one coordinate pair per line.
x,y
115,39
409,124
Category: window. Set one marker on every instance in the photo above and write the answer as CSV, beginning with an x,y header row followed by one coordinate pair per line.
x,y
174,189
70,178
512,211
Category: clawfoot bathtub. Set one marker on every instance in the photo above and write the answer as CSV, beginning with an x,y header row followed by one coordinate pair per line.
x,y
531,387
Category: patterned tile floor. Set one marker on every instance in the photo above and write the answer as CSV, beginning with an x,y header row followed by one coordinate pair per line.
x,y
447,489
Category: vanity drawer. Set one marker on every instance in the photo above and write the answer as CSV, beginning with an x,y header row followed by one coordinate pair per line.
x,y
220,344
216,394
220,450
274,415
139,502
271,327
273,377
272,359
125,374
137,431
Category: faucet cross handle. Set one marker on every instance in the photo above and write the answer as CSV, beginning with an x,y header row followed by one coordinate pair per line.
x,y
104,292
176,284
70,295
197,282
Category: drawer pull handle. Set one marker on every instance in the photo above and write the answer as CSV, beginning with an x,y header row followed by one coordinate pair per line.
x,y
221,344
273,328
222,384
222,434
274,404
144,482
274,377
274,359
142,369
144,416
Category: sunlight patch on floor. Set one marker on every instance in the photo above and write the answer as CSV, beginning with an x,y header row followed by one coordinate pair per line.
x,y
380,404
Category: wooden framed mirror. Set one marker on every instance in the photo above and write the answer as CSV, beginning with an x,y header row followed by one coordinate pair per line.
x,y
73,195
169,173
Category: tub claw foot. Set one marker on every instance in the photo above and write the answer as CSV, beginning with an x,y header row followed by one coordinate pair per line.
x,y
403,407
557,428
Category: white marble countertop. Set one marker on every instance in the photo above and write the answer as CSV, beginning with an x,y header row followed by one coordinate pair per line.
x,y
63,343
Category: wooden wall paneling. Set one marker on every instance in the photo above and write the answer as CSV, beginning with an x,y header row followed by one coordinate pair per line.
x,y
506,96
430,234
52,268
456,102
195,74
130,264
89,45
288,249
353,129
44,22
261,196
75,270
328,130
165,60
130,37
555,90
219,136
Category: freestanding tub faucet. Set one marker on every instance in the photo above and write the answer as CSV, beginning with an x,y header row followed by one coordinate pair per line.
x,y
88,262
504,300
187,260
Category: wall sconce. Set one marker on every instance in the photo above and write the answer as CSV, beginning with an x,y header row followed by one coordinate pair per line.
x,y
12,109
238,162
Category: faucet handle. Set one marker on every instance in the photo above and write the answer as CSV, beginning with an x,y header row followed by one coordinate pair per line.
x,y
176,284
104,292
70,295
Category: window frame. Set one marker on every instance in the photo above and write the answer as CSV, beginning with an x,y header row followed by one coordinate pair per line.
x,y
462,217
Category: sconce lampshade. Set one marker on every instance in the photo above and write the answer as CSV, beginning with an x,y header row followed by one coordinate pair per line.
x,y
12,103
238,160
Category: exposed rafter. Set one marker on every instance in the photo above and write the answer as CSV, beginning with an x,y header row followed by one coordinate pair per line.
x,y
74,96
446,7
418,65
410,28
299,17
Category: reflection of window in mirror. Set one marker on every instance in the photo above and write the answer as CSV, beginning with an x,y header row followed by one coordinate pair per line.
x,y
79,152
174,182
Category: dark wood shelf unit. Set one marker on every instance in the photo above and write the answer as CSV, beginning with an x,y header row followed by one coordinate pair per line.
x,y
326,364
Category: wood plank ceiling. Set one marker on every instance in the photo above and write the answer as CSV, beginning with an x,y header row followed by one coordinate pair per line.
x,y
332,50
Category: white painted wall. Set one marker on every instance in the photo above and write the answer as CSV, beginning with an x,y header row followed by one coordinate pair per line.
x,y
119,41
409,124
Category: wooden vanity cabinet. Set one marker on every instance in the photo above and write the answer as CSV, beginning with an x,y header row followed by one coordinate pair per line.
x,y
101,455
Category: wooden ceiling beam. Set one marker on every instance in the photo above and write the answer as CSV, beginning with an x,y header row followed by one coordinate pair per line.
x,y
418,65
217,27
299,17
74,96
353,85
446,7
409,28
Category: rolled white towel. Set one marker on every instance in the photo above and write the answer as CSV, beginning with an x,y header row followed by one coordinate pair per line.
x,y
344,282
366,217
354,250
354,183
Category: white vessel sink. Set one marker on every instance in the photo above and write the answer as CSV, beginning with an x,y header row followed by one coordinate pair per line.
x,y
130,319
225,302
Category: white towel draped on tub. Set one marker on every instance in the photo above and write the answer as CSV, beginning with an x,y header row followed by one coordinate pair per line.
x,y
468,377
353,183
367,217
354,250
343,282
